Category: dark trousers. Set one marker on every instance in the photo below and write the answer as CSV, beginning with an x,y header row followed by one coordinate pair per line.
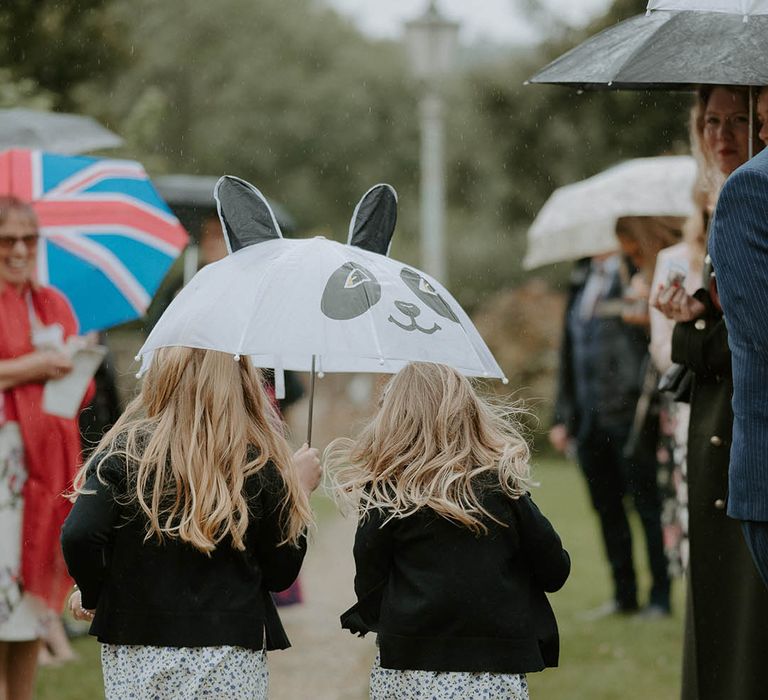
x,y
610,476
756,535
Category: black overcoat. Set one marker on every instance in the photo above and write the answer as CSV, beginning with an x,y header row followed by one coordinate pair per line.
x,y
726,628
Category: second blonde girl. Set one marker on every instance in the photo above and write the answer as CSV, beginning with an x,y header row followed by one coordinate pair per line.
x,y
452,556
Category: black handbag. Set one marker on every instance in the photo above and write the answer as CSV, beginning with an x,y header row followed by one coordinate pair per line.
x,y
677,381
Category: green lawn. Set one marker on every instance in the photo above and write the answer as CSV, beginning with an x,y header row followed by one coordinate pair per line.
x,y
613,658
609,659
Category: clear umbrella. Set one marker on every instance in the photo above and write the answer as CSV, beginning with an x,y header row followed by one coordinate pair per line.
x,y
565,229
54,132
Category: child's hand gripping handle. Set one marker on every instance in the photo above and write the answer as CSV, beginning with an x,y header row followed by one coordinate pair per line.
x,y
306,461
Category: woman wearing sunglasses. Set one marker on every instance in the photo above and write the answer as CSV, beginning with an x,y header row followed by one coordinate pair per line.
x,y
39,453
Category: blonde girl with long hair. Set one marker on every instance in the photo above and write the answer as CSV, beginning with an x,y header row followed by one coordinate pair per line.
x,y
452,556
190,511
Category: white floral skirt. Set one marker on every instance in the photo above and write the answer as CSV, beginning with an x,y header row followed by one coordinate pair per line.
x,y
183,673
394,684
22,617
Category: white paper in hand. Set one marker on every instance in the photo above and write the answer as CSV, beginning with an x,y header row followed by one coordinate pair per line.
x,y
63,397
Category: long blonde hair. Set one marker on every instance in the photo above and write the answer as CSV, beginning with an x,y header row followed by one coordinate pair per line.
x,y
430,440
200,426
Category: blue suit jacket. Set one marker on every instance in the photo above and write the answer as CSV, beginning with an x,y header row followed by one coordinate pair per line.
x,y
738,245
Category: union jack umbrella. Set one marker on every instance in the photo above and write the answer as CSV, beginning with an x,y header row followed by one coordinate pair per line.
x,y
107,237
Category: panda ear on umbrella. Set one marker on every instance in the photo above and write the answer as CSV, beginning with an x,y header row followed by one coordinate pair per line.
x,y
246,217
373,221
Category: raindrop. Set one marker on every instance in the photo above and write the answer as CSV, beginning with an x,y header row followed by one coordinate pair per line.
x,y
320,375
137,358
504,380
236,358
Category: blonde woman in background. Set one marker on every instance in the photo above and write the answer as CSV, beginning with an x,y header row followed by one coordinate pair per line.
x,y
189,512
726,638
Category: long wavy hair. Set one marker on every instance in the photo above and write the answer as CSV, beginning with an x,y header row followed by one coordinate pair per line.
x,y
434,443
199,427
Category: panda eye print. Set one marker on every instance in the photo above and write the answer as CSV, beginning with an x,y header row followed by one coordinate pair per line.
x,y
355,278
426,287
427,293
349,292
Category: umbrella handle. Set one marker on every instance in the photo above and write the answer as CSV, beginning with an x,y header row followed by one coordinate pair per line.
x,y
751,145
311,402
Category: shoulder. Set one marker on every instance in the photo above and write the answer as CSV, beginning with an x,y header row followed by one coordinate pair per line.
x,y
109,468
57,307
752,173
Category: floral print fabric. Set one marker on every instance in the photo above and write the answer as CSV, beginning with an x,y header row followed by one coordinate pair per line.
x,y
183,673
20,617
393,684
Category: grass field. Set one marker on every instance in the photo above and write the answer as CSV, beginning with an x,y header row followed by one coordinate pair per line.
x,y
608,659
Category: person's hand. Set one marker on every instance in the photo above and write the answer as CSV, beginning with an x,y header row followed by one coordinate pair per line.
x,y
49,364
77,609
306,460
677,305
90,339
558,438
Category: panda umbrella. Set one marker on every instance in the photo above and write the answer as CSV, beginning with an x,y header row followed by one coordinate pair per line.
x,y
317,305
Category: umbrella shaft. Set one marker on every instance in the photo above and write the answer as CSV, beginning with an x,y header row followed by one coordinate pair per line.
x,y
311,402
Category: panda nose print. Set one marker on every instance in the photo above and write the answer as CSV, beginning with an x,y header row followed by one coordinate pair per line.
x,y
408,309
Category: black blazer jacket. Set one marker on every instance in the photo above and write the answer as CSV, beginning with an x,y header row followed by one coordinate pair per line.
x,y
169,593
444,599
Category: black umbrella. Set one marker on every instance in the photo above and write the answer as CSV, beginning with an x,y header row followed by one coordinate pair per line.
x,y
670,50
667,50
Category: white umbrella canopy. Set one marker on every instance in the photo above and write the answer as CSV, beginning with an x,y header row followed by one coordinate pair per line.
x,y
731,7
579,220
284,301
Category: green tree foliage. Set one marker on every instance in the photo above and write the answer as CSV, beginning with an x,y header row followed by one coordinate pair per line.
x,y
58,46
293,97
285,94
513,144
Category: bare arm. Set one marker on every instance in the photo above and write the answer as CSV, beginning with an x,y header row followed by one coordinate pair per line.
x,y
38,366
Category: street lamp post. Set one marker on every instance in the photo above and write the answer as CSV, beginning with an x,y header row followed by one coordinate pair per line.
x,y
431,42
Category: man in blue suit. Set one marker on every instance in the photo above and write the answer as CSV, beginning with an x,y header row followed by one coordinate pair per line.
x,y
738,246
